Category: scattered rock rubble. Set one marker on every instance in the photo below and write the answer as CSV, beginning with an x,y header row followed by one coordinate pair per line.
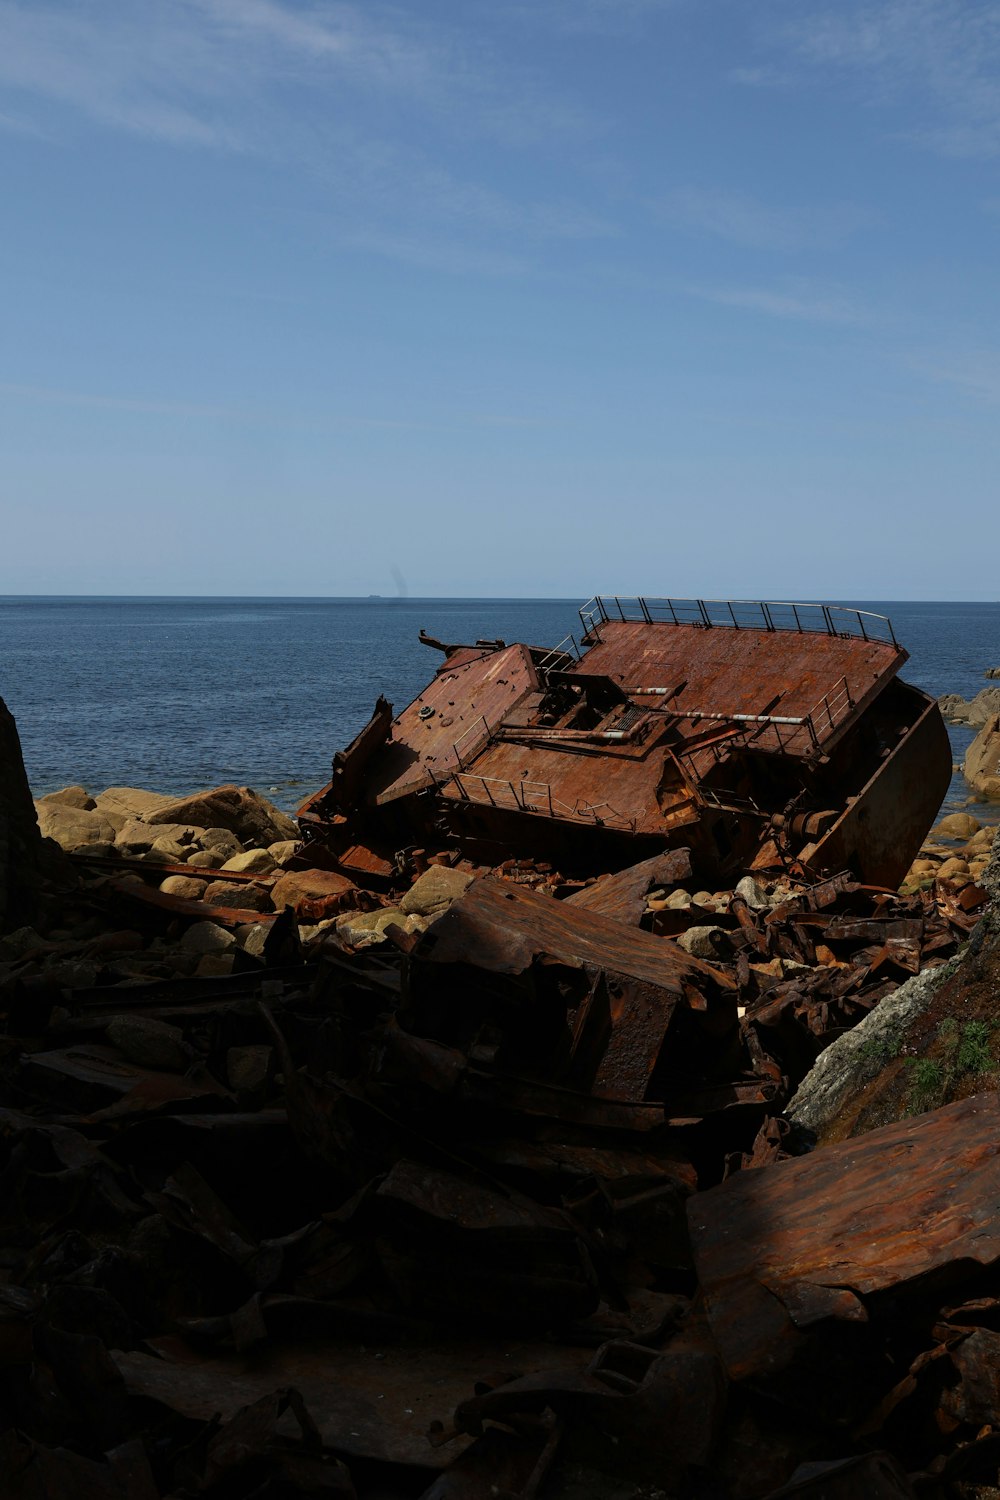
x,y
480,1185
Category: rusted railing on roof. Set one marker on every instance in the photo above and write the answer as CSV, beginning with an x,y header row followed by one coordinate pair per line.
x,y
557,658
782,734
738,614
479,732
530,796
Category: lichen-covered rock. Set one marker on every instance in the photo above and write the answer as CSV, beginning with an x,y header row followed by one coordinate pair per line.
x,y
252,818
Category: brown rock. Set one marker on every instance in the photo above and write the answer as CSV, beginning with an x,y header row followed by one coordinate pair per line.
x,y
206,859
252,818
432,892
184,886
318,888
251,862
131,801
982,760
220,841
953,869
283,851
72,796
73,827
239,896
958,825
136,836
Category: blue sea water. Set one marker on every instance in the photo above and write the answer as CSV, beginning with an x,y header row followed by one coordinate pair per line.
x,y
179,694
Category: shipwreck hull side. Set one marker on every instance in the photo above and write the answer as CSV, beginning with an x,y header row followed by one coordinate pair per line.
x,y
879,835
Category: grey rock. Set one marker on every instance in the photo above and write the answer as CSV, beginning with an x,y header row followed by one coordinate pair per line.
x,y
753,893
851,1061
698,941
207,937
151,1044
249,1069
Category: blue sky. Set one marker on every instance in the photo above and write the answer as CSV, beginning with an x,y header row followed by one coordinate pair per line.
x,y
508,298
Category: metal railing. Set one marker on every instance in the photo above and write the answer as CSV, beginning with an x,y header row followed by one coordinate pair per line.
x,y
533,797
483,734
557,658
739,614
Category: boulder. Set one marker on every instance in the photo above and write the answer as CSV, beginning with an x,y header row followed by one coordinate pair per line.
x,y
299,888
959,825
249,1068
207,937
434,891
361,929
753,893
131,801
151,1044
976,711
982,760
184,886
214,965
252,936
251,817
73,827
251,862
237,895
176,853
206,859
283,851
220,841
136,836
72,796
698,942
953,869
992,672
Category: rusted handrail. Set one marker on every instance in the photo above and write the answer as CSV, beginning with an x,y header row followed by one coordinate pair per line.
x,y
739,614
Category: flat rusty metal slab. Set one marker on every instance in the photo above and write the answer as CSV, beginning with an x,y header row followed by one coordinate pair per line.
x,y
504,927
741,671
449,720
785,1252
370,1402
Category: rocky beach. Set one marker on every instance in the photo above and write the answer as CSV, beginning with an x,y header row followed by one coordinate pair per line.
x,y
275,1214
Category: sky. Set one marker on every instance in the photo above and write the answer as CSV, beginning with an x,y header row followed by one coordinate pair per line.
x,y
518,298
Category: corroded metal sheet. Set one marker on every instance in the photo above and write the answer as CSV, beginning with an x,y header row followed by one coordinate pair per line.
x,y
741,671
825,1239
504,928
445,725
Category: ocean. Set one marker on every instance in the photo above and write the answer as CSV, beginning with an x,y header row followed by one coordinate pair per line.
x,y
179,694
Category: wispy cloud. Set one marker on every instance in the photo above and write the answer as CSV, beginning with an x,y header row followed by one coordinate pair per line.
x,y
797,300
977,373
375,103
744,220
935,61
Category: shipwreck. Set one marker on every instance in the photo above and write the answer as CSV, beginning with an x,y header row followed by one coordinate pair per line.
x,y
760,736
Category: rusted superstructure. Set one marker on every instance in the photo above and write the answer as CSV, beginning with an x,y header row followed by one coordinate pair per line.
x,y
758,735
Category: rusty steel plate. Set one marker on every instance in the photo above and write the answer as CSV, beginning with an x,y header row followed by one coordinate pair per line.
x,y
784,1249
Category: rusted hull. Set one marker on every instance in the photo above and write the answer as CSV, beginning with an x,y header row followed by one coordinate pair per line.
x,y
755,744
